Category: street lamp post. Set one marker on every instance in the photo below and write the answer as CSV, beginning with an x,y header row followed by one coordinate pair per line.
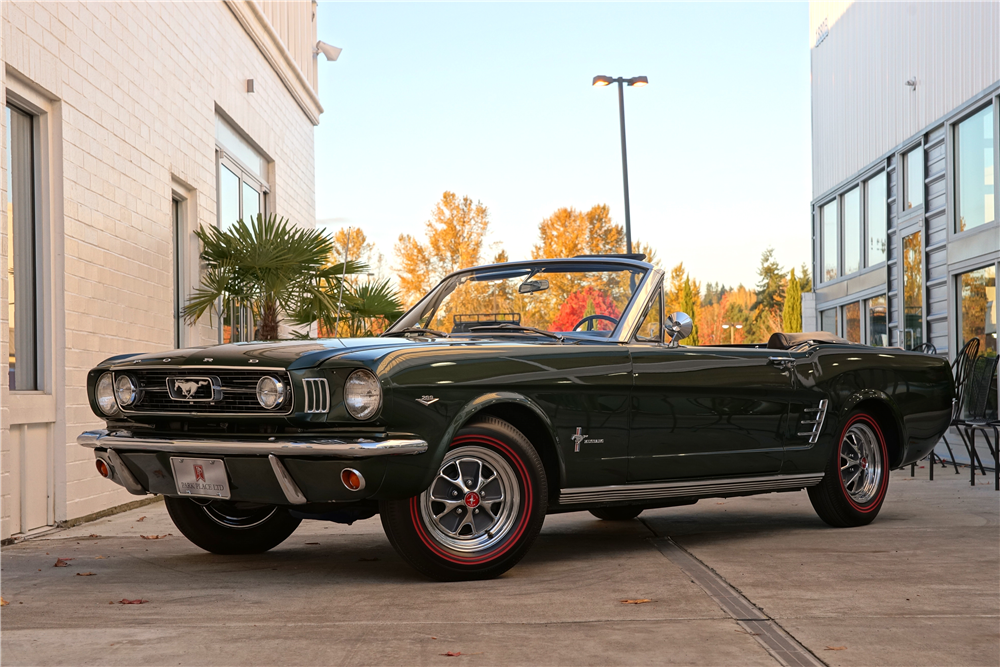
x,y
638,82
732,328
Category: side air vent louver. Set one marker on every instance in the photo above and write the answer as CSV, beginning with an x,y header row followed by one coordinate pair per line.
x,y
317,391
814,425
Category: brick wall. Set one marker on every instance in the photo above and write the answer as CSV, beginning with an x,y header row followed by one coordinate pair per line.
x,y
136,87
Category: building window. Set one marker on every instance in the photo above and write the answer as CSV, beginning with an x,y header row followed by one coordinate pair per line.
x,y
852,231
913,293
22,253
875,215
977,309
852,322
243,188
914,167
828,222
878,324
178,270
974,172
828,321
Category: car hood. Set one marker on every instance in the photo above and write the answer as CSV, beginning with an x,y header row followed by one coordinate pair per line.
x,y
293,354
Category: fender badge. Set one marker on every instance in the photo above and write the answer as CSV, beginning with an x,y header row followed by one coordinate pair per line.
x,y
207,359
577,438
427,400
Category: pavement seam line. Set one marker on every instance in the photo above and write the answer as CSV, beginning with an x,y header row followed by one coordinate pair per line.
x,y
777,641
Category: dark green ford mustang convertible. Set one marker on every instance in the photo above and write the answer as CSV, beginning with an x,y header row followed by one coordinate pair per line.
x,y
509,392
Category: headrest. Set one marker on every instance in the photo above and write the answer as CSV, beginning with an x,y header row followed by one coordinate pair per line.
x,y
784,341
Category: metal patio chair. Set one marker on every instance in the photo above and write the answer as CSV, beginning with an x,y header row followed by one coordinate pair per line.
x,y
960,369
925,348
980,415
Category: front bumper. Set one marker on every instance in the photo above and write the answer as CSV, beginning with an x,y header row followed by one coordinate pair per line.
x,y
277,470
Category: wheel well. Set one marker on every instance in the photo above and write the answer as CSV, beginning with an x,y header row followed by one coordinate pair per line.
x,y
890,427
534,429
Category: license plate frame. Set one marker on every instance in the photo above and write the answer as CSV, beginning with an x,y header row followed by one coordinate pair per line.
x,y
200,478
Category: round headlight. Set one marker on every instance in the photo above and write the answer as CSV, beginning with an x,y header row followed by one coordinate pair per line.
x,y
105,394
362,394
125,390
270,392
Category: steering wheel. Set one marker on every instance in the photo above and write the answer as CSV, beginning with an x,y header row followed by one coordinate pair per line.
x,y
590,319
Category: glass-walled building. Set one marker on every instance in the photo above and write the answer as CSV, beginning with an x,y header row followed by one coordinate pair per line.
x,y
906,139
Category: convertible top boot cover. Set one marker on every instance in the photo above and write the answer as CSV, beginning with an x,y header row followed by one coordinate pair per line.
x,y
784,341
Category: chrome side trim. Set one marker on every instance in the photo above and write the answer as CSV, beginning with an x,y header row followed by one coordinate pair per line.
x,y
293,493
815,425
322,447
701,489
123,475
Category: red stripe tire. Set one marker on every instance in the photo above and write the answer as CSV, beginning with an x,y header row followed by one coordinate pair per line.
x,y
481,513
857,474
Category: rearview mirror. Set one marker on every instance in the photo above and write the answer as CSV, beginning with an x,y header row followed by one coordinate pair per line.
x,y
529,286
678,327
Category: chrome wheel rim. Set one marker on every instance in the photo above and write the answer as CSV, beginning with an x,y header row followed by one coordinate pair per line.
x,y
473,502
861,464
236,514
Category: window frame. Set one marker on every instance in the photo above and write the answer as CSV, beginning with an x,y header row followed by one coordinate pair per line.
x,y
657,301
953,162
905,160
821,209
866,219
957,290
246,177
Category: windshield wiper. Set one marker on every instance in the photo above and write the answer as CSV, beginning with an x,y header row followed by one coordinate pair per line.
x,y
517,328
416,330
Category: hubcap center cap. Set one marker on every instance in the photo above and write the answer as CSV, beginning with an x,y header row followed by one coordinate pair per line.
x,y
864,462
472,499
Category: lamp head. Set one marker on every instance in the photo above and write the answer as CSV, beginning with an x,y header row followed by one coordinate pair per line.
x,y
331,52
600,81
638,81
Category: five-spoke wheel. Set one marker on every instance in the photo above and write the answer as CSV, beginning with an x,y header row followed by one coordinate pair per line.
x,y
480,513
857,475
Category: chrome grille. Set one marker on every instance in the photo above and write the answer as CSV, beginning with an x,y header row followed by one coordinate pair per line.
x,y
814,425
317,392
239,391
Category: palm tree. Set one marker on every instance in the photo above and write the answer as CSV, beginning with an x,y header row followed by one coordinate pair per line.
x,y
270,267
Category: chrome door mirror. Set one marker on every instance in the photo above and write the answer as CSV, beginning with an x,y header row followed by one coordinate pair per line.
x,y
677,327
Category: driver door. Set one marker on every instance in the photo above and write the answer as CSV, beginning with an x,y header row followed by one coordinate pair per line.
x,y
704,411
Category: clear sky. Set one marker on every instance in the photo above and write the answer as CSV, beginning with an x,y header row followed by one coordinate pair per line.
x,y
495,101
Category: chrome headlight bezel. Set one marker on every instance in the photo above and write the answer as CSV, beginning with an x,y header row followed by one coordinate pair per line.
x,y
362,394
271,392
126,390
106,402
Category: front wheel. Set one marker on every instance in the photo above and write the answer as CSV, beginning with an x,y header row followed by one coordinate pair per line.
x,y
481,512
857,475
227,527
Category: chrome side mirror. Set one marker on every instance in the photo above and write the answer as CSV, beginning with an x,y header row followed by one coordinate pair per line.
x,y
678,327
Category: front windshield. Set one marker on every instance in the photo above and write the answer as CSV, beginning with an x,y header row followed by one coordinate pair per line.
x,y
557,298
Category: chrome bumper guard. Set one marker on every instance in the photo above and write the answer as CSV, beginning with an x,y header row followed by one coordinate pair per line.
x,y
273,448
322,447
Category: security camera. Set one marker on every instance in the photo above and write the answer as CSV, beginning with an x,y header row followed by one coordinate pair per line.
x,y
331,52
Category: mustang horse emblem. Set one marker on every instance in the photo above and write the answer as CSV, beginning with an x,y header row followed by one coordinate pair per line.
x,y
189,387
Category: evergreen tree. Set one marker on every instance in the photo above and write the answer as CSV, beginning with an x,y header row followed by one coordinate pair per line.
x,y
689,305
791,313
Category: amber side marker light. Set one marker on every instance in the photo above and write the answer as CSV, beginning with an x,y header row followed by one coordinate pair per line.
x,y
352,479
102,468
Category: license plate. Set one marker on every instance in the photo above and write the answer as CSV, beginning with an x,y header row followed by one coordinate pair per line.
x,y
205,478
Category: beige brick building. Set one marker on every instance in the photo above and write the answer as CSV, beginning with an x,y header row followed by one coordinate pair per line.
x,y
125,127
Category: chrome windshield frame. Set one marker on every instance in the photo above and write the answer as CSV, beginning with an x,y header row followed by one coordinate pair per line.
x,y
620,334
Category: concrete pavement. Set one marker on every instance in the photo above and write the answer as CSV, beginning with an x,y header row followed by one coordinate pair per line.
x,y
921,586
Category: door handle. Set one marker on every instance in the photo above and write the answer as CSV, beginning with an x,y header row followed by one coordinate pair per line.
x,y
781,362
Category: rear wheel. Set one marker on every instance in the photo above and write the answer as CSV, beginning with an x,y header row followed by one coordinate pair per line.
x,y
857,475
227,527
482,511
617,513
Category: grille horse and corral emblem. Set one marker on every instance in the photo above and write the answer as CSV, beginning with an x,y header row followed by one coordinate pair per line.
x,y
194,388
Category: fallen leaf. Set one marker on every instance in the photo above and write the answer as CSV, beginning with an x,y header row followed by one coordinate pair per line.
x,y
433,637
835,648
99,557
3,603
92,535
86,574
152,537
367,560
644,600
452,654
124,601
62,562
142,518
